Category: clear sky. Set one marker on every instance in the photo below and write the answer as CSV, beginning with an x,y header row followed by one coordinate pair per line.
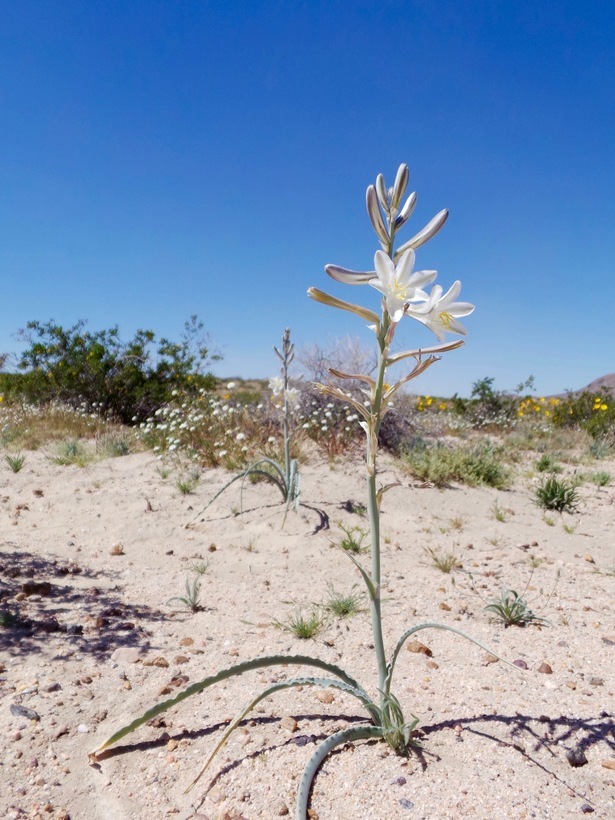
x,y
159,159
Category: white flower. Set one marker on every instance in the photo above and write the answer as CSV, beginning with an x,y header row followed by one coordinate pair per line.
x,y
440,313
292,396
276,385
398,284
240,436
231,385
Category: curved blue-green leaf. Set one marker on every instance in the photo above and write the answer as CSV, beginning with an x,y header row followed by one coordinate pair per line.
x,y
233,671
406,635
324,683
338,739
371,589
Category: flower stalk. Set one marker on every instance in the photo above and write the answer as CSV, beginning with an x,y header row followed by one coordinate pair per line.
x,y
402,295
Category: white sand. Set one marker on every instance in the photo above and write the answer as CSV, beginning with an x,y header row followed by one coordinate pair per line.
x,y
495,740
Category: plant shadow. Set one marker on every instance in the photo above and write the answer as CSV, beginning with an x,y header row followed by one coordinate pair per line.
x,y
42,597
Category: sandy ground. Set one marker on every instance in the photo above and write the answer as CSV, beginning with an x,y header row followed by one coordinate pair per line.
x,y
90,557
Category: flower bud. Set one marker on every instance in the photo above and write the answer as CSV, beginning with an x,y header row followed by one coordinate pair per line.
x,y
349,277
374,214
406,211
401,183
431,229
381,190
332,301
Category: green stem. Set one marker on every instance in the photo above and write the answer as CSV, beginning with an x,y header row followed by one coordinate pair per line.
x,y
286,435
373,508
372,491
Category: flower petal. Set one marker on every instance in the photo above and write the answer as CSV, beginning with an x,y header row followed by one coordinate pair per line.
x,y
404,266
461,308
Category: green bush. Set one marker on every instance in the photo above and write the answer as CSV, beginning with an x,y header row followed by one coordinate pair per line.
x,y
593,412
127,381
481,466
489,408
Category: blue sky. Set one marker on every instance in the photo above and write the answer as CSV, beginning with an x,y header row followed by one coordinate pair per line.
x,y
159,159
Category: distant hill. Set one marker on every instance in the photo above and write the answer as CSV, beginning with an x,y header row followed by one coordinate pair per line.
x,y
597,385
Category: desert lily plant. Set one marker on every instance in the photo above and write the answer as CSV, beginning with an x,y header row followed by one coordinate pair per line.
x,y
284,476
402,296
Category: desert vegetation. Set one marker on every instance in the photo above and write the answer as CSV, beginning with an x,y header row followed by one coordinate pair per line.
x,y
76,398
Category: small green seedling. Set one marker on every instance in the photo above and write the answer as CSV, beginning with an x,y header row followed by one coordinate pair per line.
x,y
344,605
15,462
303,626
557,495
446,562
353,539
513,610
192,598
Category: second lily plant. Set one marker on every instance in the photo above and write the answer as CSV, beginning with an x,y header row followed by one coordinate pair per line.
x,y
403,296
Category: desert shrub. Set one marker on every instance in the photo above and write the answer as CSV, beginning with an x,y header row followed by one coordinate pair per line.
x,y
593,412
536,436
401,426
602,447
488,408
212,431
480,466
30,426
547,464
330,424
126,381
347,355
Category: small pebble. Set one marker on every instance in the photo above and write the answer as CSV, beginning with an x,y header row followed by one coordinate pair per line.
x,y
23,711
289,723
576,757
418,647
520,663
545,669
587,809
406,804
